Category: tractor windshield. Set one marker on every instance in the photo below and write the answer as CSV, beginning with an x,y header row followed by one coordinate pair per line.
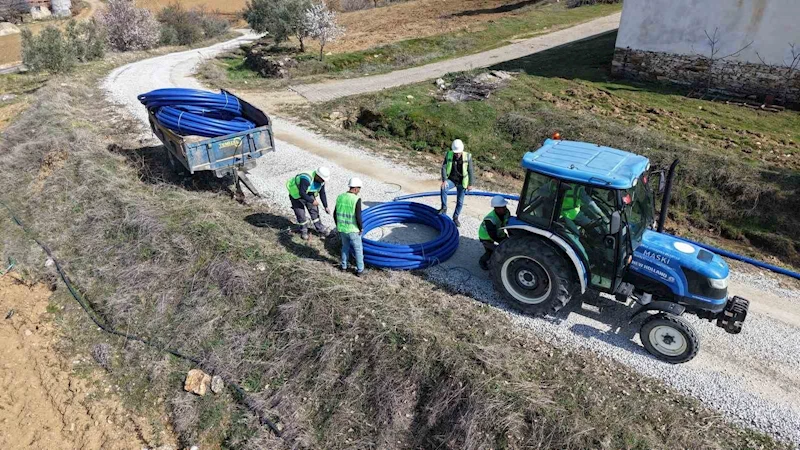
x,y
639,208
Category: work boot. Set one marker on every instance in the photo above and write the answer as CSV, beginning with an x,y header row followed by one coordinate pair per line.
x,y
362,273
484,265
455,221
304,235
442,211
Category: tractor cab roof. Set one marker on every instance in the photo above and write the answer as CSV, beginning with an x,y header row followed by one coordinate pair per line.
x,y
586,163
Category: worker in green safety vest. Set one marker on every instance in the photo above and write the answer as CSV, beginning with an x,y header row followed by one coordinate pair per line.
x,y
306,190
347,215
491,232
457,172
579,209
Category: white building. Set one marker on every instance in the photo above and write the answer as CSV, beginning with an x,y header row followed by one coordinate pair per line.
x,y
744,47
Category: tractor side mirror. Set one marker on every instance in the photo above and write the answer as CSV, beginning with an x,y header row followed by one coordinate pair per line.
x,y
616,221
662,180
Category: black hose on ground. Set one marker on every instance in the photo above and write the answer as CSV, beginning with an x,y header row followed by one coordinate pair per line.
x,y
241,396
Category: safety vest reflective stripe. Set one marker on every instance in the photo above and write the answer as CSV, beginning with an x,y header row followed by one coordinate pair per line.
x,y
346,213
483,233
465,157
293,184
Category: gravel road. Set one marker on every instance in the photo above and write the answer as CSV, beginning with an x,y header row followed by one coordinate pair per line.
x,y
752,378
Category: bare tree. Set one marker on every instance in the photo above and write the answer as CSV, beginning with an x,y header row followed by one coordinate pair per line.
x,y
715,55
789,65
321,24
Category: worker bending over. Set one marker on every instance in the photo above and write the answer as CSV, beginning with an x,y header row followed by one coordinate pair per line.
x,y
306,189
456,172
347,215
491,231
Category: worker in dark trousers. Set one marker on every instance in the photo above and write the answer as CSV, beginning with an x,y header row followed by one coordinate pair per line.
x,y
306,190
457,173
490,232
347,215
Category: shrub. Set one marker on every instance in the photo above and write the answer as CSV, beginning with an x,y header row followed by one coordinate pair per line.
x,y
57,51
213,25
128,27
187,29
282,19
169,36
49,50
87,40
13,10
189,26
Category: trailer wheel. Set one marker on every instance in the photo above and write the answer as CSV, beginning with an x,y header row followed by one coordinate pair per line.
x,y
532,275
670,338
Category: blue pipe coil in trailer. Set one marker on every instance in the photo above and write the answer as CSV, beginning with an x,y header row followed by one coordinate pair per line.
x,y
195,112
408,256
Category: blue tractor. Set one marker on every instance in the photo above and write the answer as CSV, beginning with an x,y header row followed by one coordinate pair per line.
x,y
585,222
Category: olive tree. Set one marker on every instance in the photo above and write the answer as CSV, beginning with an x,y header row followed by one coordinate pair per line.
x,y
282,19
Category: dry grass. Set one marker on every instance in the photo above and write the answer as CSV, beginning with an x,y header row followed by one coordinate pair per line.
x,y
387,362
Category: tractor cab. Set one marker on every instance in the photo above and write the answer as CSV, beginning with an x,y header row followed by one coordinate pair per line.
x,y
584,222
595,199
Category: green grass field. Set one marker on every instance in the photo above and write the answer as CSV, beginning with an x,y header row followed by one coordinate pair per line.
x,y
413,52
739,174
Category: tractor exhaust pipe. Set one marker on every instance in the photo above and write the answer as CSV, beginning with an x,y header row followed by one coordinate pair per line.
x,y
662,217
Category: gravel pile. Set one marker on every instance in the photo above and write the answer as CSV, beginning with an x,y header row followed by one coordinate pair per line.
x,y
752,378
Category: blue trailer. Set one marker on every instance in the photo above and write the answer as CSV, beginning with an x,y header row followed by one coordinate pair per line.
x,y
229,155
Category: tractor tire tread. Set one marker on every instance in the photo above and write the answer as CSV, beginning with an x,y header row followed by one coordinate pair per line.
x,y
566,285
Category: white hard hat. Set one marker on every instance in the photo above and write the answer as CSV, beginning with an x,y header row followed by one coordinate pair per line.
x,y
324,173
355,182
498,201
457,146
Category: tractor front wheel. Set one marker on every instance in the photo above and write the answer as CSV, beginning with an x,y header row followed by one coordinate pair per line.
x,y
532,275
670,338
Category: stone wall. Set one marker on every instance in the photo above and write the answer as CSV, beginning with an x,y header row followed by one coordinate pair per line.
x,y
735,78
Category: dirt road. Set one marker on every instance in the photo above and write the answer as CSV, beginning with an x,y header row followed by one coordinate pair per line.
x,y
322,92
752,377
45,401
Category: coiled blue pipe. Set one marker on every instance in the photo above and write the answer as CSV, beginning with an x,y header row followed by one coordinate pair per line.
x,y
196,112
414,256
719,251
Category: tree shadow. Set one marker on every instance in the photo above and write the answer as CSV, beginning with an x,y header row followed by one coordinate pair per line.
x,y
497,10
153,166
587,59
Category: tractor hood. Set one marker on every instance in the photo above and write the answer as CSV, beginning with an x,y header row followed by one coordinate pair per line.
x,y
678,264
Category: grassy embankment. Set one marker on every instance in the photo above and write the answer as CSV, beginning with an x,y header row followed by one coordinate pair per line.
x,y
738,177
385,362
229,71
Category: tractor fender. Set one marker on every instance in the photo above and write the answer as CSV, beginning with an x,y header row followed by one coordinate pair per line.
x,y
562,244
663,306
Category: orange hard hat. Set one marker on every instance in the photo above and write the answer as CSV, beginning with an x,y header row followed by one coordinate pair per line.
x,y
557,136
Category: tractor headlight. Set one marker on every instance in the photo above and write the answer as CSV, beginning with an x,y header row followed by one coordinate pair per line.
x,y
718,283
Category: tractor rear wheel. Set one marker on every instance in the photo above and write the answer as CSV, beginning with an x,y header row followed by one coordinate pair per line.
x,y
670,338
533,276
